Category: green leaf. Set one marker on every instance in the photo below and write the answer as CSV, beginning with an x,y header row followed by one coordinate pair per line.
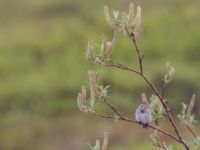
x,y
195,144
170,147
184,118
115,14
157,108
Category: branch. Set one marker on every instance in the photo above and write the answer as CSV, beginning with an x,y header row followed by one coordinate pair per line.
x,y
123,67
191,131
152,86
139,56
154,89
100,115
163,144
113,108
155,128
132,121
133,29
157,92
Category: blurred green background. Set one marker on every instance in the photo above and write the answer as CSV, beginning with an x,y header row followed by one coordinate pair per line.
x,y
42,68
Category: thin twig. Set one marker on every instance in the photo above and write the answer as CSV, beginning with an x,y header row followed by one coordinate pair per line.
x,y
100,115
135,122
114,109
158,94
159,145
139,56
191,131
155,128
155,90
163,143
123,67
121,117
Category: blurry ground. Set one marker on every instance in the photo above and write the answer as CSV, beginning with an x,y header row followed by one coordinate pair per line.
x,y
42,67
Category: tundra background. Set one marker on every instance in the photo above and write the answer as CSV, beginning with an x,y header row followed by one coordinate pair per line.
x,y
42,66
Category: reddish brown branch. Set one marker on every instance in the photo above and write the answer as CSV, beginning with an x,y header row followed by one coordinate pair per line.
x,y
121,117
155,128
133,121
139,56
191,131
151,85
163,144
158,94
101,115
123,67
114,109
154,89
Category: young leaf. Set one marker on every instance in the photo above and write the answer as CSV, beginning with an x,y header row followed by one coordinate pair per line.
x,y
137,22
195,144
113,23
94,93
131,14
185,117
157,108
170,74
190,106
97,145
90,51
81,100
115,14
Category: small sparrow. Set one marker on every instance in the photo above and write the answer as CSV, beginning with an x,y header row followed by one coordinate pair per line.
x,y
143,114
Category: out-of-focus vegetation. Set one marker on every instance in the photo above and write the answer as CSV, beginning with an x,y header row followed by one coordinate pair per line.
x,y
42,66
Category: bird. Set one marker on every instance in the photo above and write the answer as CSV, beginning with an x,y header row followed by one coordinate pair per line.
x,y
143,113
